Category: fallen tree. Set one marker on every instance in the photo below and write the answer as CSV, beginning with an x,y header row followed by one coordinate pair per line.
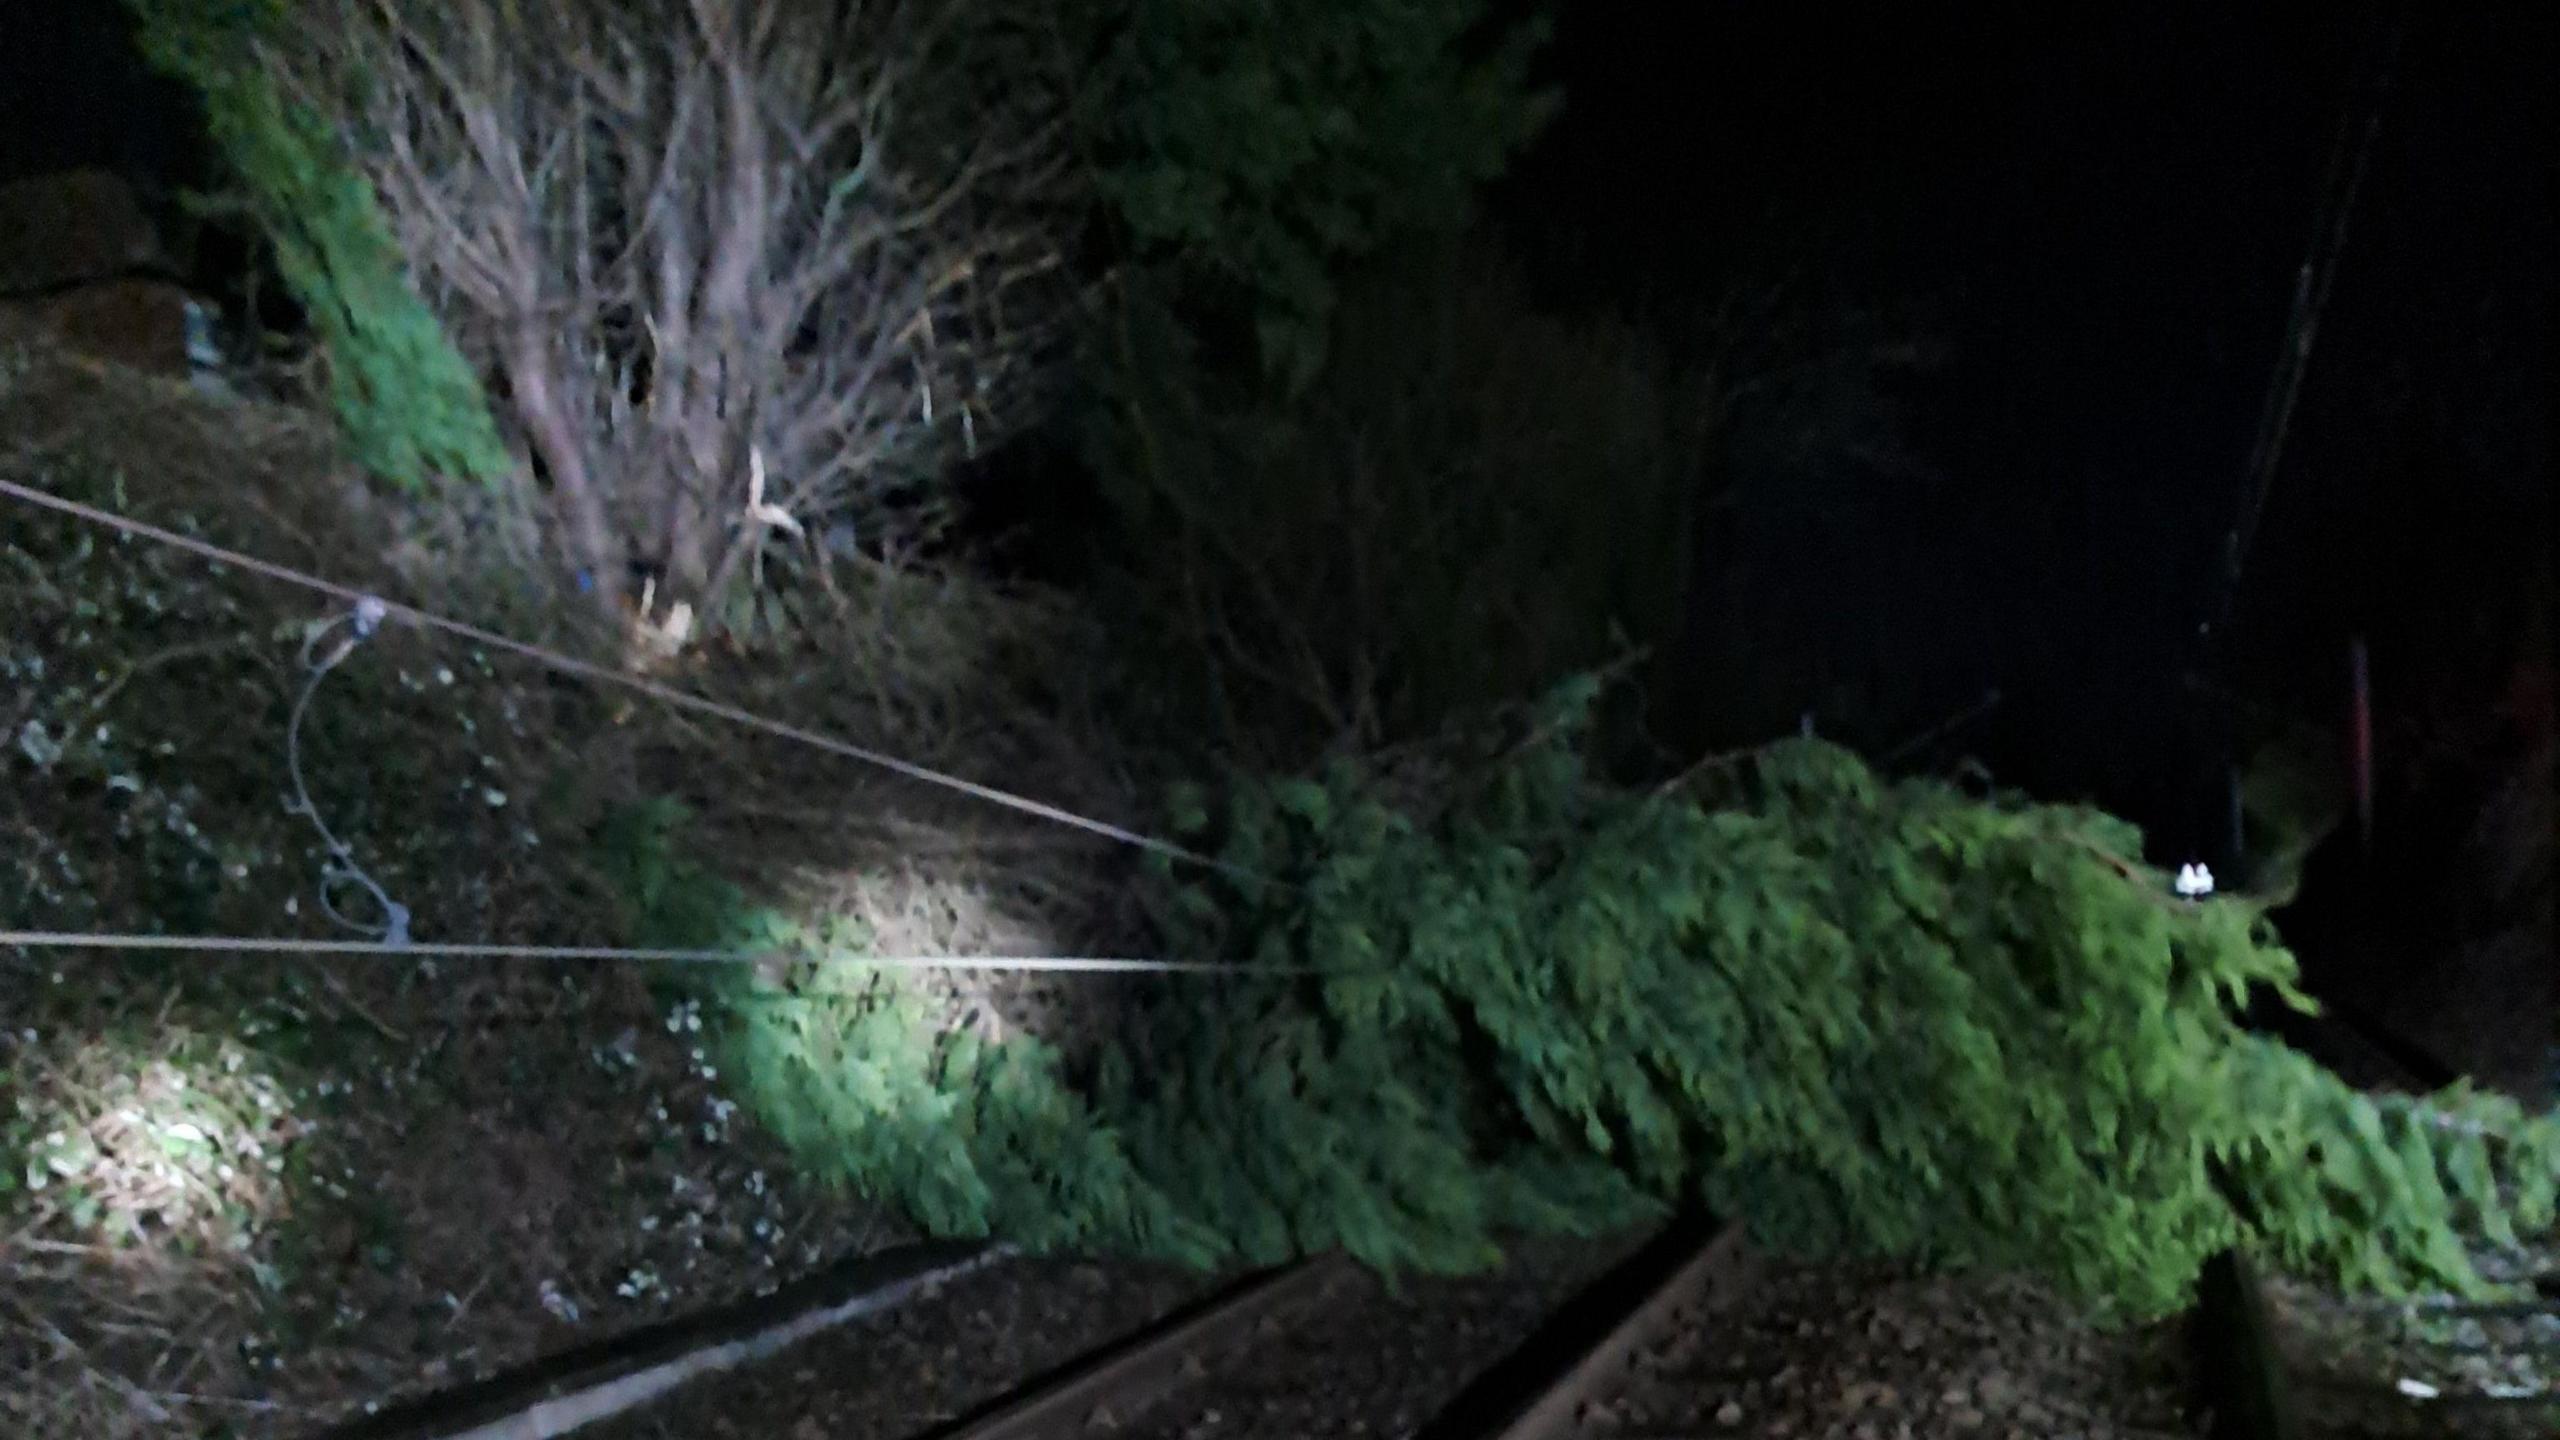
x,y
1868,1018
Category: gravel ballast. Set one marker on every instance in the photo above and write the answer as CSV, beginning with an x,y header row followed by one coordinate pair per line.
x,y
934,1359
1859,1353
1373,1359
2369,1369
1381,1360
1817,1353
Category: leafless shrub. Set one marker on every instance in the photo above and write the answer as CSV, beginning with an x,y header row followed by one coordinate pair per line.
x,y
740,272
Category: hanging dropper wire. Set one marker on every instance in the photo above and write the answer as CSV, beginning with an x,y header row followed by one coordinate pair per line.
x,y
350,628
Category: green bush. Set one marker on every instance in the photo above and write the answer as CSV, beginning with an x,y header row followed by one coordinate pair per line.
x,y
1866,1018
410,406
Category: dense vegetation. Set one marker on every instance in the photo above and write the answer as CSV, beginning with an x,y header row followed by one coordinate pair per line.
x,y
1866,1015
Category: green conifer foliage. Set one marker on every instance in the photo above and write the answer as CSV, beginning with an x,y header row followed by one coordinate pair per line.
x,y
1865,1017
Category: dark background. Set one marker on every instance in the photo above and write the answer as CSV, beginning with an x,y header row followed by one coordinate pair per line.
x,y
73,93
2096,214
2098,211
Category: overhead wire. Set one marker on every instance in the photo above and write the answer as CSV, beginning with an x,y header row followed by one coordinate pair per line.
x,y
606,675
2350,158
414,949
340,868
391,937
2360,116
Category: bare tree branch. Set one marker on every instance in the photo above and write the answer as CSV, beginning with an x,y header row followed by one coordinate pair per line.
x,y
815,231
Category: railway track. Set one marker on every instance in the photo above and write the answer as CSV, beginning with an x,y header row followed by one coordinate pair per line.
x,y
1597,1351
1118,1385
2283,1360
1686,1336
1621,1360
1673,1341
2429,1370
1690,1337
1173,1376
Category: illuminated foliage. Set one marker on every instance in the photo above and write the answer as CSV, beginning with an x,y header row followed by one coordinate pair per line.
x,y
1865,1017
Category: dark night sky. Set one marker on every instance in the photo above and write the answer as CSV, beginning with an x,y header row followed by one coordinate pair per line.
x,y
72,93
